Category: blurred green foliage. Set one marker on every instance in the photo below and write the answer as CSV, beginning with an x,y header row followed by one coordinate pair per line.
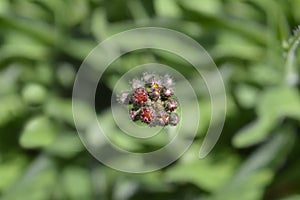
x,y
42,44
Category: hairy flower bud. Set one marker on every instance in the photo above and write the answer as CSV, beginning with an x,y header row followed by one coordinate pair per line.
x,y
167,92
155,94
140,96
173,119
147,115
171,105
162,118
134,114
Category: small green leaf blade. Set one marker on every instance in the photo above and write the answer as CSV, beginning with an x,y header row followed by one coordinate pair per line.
x,y
38,132
280,102
253,133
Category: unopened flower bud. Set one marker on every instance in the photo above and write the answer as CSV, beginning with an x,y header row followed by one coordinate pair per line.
x,y
139,96
134,114
167,92
147,115
155,94
162,118
173,119
171,105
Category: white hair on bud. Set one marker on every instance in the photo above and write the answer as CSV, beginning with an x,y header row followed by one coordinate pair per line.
x,y
136,83
148,77
123,98
168,81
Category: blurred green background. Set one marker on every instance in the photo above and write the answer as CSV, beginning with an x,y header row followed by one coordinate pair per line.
x,y
43,43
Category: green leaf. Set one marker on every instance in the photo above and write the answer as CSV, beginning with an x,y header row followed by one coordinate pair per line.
x,y
34,94
264,75
206,6
8,79
279,102
41,73
11,107
292,197
246,95
10,171
258,170
167,8
99,24
273,105
35,183
241,48
137,10
38,132
66,74
78,11
78,48
251,189
213,17
254,132
40,32
209,174
114,134
30,10
66,145
60,109
77,183
4,7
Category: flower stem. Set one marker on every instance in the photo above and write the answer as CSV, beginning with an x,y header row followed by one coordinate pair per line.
x,y
291,75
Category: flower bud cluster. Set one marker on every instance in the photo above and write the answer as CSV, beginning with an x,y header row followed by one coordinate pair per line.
x,y
152,100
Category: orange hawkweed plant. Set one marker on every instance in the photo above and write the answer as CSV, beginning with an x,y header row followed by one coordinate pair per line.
x,y
151,100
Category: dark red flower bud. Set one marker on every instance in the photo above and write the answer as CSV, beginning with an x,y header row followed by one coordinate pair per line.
x,y
171,105
147,115
140,96
134,114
